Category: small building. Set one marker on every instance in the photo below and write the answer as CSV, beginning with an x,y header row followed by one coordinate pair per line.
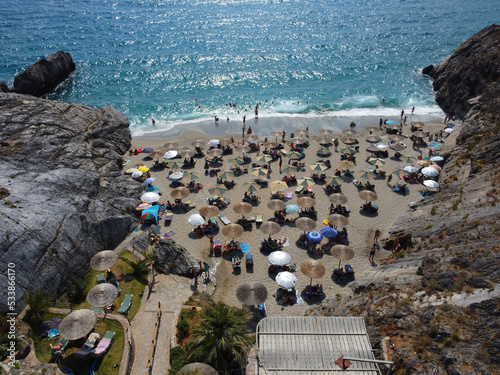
x,y
314,345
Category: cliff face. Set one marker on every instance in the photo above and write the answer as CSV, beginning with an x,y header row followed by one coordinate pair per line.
x,y
466,75
438,303
62,194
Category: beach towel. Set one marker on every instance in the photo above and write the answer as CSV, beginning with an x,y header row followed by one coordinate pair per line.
x,y
435,145
287,242
169,234
245,248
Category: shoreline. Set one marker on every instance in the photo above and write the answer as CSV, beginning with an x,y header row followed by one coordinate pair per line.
x,y
262,126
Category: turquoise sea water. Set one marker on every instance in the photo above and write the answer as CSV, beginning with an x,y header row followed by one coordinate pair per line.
x,y
180,61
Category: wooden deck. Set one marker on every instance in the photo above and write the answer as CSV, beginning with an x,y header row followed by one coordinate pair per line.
x,y
311,345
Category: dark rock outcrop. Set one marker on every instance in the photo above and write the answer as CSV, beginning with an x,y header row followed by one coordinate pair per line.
x,y
466,74
173,259
65,197
4,87
44,76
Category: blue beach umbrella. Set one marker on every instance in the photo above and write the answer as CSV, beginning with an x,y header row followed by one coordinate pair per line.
x,y
147,150
391,122
292,209
329,232
314,236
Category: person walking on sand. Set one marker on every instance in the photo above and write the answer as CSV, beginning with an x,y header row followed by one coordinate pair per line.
x,y
336,144
376,237
372,254
243,133
283,136
281,162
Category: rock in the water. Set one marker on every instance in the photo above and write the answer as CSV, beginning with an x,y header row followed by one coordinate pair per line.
x,y
4,87
428,71
174,259
65,196
44,76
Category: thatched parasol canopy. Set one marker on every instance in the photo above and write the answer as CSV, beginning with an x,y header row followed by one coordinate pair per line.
x,y
306,202
103,260
179,192
102,295
305,224
252,293
232,230
209,211
338,220
270,227
338,198
242,208
77,324
313,269
368,195
276,205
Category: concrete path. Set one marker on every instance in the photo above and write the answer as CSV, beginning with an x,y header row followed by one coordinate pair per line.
x,y
172,292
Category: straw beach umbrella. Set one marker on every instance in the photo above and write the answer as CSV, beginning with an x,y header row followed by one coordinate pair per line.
x,y
373,138
270,227
102,295
276,205
198,143
186,153
232,231
225,142
338,220
252,293
326,131
397,147
396,137
348,140
372,128
156,154
306,202
418,124
324,141
170,145
342,253
77,324
209,211
276,133
349,131
302,132
251,138
197,368
242,208
179,192
338,198
305,224
103,260
215,152
243,149
368,195
269,144
313,269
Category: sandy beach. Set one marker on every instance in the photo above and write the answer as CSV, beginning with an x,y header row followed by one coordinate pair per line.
x,y
361,225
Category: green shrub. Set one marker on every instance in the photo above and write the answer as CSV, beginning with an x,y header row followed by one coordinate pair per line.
x,y
177,359
434,210
429,226
455,205
76,291
182,329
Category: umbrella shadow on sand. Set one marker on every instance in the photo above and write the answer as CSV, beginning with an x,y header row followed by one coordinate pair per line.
x,y
368,213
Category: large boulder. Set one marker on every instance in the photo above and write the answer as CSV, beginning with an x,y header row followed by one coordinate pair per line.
x,y
173,259
44,76
64,196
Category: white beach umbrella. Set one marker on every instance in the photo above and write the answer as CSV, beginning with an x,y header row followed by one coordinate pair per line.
x,y
430,172
149,180
196,219
150,197
176,176
431,184
170,154
286,279
381,145
279,258
213,142
137,174
449,130
411,169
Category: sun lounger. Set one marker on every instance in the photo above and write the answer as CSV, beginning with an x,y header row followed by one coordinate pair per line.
x,y
88,346
168,215
235,265
259,219
98,310
127,302
249,260
299,189
100,278
61,350
103,346
309,189
224,219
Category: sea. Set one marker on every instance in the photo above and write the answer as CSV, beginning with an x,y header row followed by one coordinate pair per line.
x,y
186,61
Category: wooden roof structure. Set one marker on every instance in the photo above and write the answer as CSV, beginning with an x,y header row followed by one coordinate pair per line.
x,y
312,345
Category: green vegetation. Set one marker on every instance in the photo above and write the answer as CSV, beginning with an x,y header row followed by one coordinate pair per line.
x,y
39,305
455,205
429,226
182,329
79,367
178,359
129,284
221,338
434,210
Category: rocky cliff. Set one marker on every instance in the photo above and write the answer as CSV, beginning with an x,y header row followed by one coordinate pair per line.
x,y
435,307
62,194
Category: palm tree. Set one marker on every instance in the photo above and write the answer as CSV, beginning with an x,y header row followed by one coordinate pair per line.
x,y
221,338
